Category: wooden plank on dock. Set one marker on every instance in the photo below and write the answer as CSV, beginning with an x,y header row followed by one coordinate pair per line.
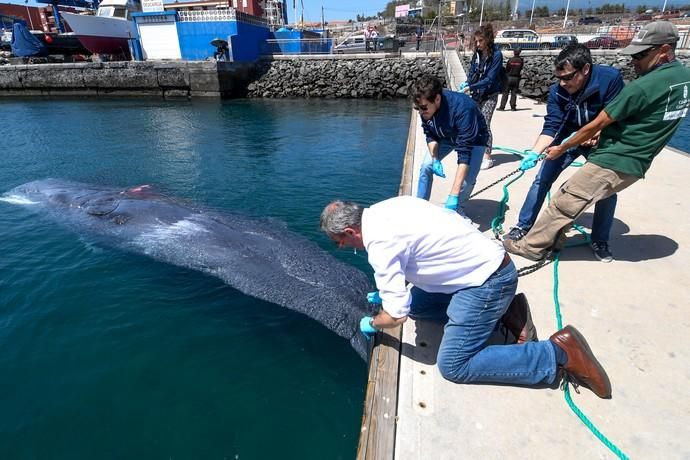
x,y
377,436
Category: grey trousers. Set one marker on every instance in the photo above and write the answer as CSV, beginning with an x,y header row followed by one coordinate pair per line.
x,y
588,185
487,108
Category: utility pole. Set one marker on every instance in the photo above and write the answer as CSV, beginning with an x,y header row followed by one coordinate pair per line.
x,y
531,13
565,20
323,21
515,11
438,26
664,7
481,14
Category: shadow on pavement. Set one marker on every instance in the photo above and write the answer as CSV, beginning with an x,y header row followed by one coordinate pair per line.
x,y
501,158
628,248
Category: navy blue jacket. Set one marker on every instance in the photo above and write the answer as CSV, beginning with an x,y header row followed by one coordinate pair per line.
x,y
489,74
458,122
566,114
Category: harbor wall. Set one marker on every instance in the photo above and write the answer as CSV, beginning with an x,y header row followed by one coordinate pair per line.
x,y
348,77
131,78
537,74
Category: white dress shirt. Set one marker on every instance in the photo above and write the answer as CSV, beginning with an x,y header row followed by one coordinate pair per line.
x,y
410,239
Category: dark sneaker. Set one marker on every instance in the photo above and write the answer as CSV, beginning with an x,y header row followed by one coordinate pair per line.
x,y
516,234
601,251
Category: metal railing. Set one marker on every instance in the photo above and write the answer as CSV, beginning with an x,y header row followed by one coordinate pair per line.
x,y
298,46
225,14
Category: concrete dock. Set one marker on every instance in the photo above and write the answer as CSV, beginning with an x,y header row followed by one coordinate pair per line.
x,y
634,312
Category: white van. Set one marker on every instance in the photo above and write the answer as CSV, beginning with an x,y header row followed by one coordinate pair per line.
x,y
351,44
522,38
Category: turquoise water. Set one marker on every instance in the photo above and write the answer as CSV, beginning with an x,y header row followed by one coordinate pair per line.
x,y
681,140
105,354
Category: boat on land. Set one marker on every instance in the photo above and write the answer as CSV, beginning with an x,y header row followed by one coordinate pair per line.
x,y
109,30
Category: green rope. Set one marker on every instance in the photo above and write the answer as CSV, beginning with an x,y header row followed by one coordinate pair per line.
x,y
497,227
583,418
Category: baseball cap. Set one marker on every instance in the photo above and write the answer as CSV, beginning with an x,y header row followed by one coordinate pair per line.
x,y
653,34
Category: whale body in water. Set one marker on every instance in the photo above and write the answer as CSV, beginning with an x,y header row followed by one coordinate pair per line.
x,y
259,258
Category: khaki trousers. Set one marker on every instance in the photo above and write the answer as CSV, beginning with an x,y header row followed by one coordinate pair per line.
x,y
588,185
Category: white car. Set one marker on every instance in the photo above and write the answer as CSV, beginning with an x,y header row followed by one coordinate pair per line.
x,y
520,38
6,39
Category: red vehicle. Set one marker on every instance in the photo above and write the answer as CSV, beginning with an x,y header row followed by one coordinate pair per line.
x,y
603,43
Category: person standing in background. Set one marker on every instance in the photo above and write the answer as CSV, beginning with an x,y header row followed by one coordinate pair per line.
x,y
513,72
485,80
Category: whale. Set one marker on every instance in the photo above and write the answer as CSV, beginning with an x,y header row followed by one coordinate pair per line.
x,y
258,257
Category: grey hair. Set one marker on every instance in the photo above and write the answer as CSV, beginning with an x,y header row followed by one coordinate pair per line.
x,y
339,215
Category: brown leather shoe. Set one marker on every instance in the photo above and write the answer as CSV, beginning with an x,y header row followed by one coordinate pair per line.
x,y
518,320
582,367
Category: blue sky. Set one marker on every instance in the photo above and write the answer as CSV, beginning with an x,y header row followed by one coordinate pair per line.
x,y
335,9
349,9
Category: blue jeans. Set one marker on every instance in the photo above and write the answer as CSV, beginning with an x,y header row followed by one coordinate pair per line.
x,y
547,175
471,315
426,175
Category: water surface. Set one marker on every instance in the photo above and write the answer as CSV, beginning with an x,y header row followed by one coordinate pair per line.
x,y
105,354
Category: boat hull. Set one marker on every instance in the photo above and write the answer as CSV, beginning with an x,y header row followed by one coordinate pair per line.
x,y
101,35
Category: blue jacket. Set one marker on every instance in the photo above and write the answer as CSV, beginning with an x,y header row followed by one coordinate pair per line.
x,y
458,122
565,114
489,75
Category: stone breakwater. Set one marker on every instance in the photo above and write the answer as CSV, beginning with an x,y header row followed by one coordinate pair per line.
x,y
537,75
341,78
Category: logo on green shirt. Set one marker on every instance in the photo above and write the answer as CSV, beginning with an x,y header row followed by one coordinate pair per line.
x,y
677,105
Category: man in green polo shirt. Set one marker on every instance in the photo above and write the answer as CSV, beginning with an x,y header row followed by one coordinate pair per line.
x,y
634,127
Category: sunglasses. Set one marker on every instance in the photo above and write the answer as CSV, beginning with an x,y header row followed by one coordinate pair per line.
x,y
642,54
421,108
566,77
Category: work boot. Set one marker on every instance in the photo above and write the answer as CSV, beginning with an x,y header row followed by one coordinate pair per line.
x,y
582,367
515,247
518,320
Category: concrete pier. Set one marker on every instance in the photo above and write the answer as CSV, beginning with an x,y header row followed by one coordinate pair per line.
x,y
634,313
150,78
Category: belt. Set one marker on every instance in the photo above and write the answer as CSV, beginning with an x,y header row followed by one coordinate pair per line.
x,y
506,261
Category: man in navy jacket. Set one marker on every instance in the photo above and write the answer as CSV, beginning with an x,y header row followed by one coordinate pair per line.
x,y
451,122
582,91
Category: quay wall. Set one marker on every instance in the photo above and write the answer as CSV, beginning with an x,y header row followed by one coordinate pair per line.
x,y
538,70
149,78
343,77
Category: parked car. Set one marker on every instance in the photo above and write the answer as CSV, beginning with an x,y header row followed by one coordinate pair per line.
x,y
589,20
5,39
603,43
643,17
523,38
561,41
352,44
668,14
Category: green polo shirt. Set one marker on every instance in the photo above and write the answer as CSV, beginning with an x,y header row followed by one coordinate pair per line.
x,y
646,112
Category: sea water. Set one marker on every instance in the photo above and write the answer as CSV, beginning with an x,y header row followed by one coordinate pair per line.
x,y
105,354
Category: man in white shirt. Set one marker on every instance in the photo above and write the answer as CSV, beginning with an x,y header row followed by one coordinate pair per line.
x,y
462,278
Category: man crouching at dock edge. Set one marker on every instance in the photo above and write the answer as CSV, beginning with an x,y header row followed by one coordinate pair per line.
x,y
465,280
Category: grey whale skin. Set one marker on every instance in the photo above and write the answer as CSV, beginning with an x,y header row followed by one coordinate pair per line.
x,y
261,259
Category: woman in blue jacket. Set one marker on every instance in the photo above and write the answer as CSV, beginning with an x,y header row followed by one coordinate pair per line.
x,y
485,80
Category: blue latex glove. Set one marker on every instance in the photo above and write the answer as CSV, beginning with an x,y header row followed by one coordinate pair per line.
x,y
463,86
367,329
374,297
452,202
530,160
437,168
